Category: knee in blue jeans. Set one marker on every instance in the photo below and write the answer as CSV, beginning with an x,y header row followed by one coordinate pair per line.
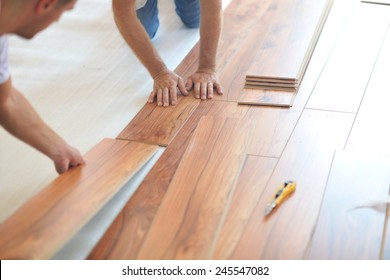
x,y
189,12
148,16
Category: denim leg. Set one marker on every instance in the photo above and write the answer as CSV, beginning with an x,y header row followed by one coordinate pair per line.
x,y
189,12
148,15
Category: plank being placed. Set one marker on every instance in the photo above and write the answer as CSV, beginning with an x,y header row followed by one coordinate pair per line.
x,y
266,97
352,217
306,159
187,221
344,79
137,216
46,222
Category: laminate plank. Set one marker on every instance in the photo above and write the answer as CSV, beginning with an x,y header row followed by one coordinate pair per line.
x,y
159,125
266,97
290,40
370,131
307,158
137,216
250,186
188,218
47,221
342,83
346,228
249,7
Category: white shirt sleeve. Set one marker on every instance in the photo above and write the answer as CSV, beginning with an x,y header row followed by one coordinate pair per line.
x,y
4,65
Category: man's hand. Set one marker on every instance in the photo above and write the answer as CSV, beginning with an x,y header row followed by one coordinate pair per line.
x,y
66,157
165,88
204,83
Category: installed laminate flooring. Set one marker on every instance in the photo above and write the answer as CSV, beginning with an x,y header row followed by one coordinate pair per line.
x,y
357,187
47,221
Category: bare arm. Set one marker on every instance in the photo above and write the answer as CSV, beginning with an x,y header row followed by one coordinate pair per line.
x,y
19,118
165,81
205,79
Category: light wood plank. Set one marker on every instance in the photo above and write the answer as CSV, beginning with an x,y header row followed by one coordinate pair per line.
x,y
53,216
370,131
306,159
266,97
186,223
136,218
342,83
346,228
250,186
249,7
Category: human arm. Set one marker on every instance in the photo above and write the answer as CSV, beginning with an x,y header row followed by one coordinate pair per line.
x,y
205,79
166,82
20,119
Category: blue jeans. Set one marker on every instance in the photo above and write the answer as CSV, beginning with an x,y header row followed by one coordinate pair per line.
x,y
187,10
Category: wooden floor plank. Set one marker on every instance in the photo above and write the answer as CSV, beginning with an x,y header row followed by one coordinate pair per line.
x,y
344,79
250,186
249,7
370,130
306,159
159,125
290,39
188,218
259,97
348,226
137,216
47,221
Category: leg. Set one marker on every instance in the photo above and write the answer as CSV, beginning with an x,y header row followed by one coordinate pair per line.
x,y
189,12
148,15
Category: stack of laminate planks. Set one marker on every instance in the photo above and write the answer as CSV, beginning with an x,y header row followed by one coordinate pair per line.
x,y
284,52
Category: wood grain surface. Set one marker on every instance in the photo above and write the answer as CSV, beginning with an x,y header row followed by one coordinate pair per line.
x,y
289,41
137,217
353,202
251,184
47,221
188,218
307,158
343,82
266,97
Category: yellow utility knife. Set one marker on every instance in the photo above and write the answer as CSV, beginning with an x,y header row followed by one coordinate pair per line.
x,y
281,194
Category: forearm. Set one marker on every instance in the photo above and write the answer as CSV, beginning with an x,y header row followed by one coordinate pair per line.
x,y
19,118
136,37
210,32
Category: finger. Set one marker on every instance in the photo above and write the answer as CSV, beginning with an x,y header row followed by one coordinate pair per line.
x,y
173,95
62,166
218,88
152,96
182,87
189,84
203,91
197,90
210,90
165,94
159,97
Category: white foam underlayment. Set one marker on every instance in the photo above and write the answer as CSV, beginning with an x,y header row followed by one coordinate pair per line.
x,y
86,83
